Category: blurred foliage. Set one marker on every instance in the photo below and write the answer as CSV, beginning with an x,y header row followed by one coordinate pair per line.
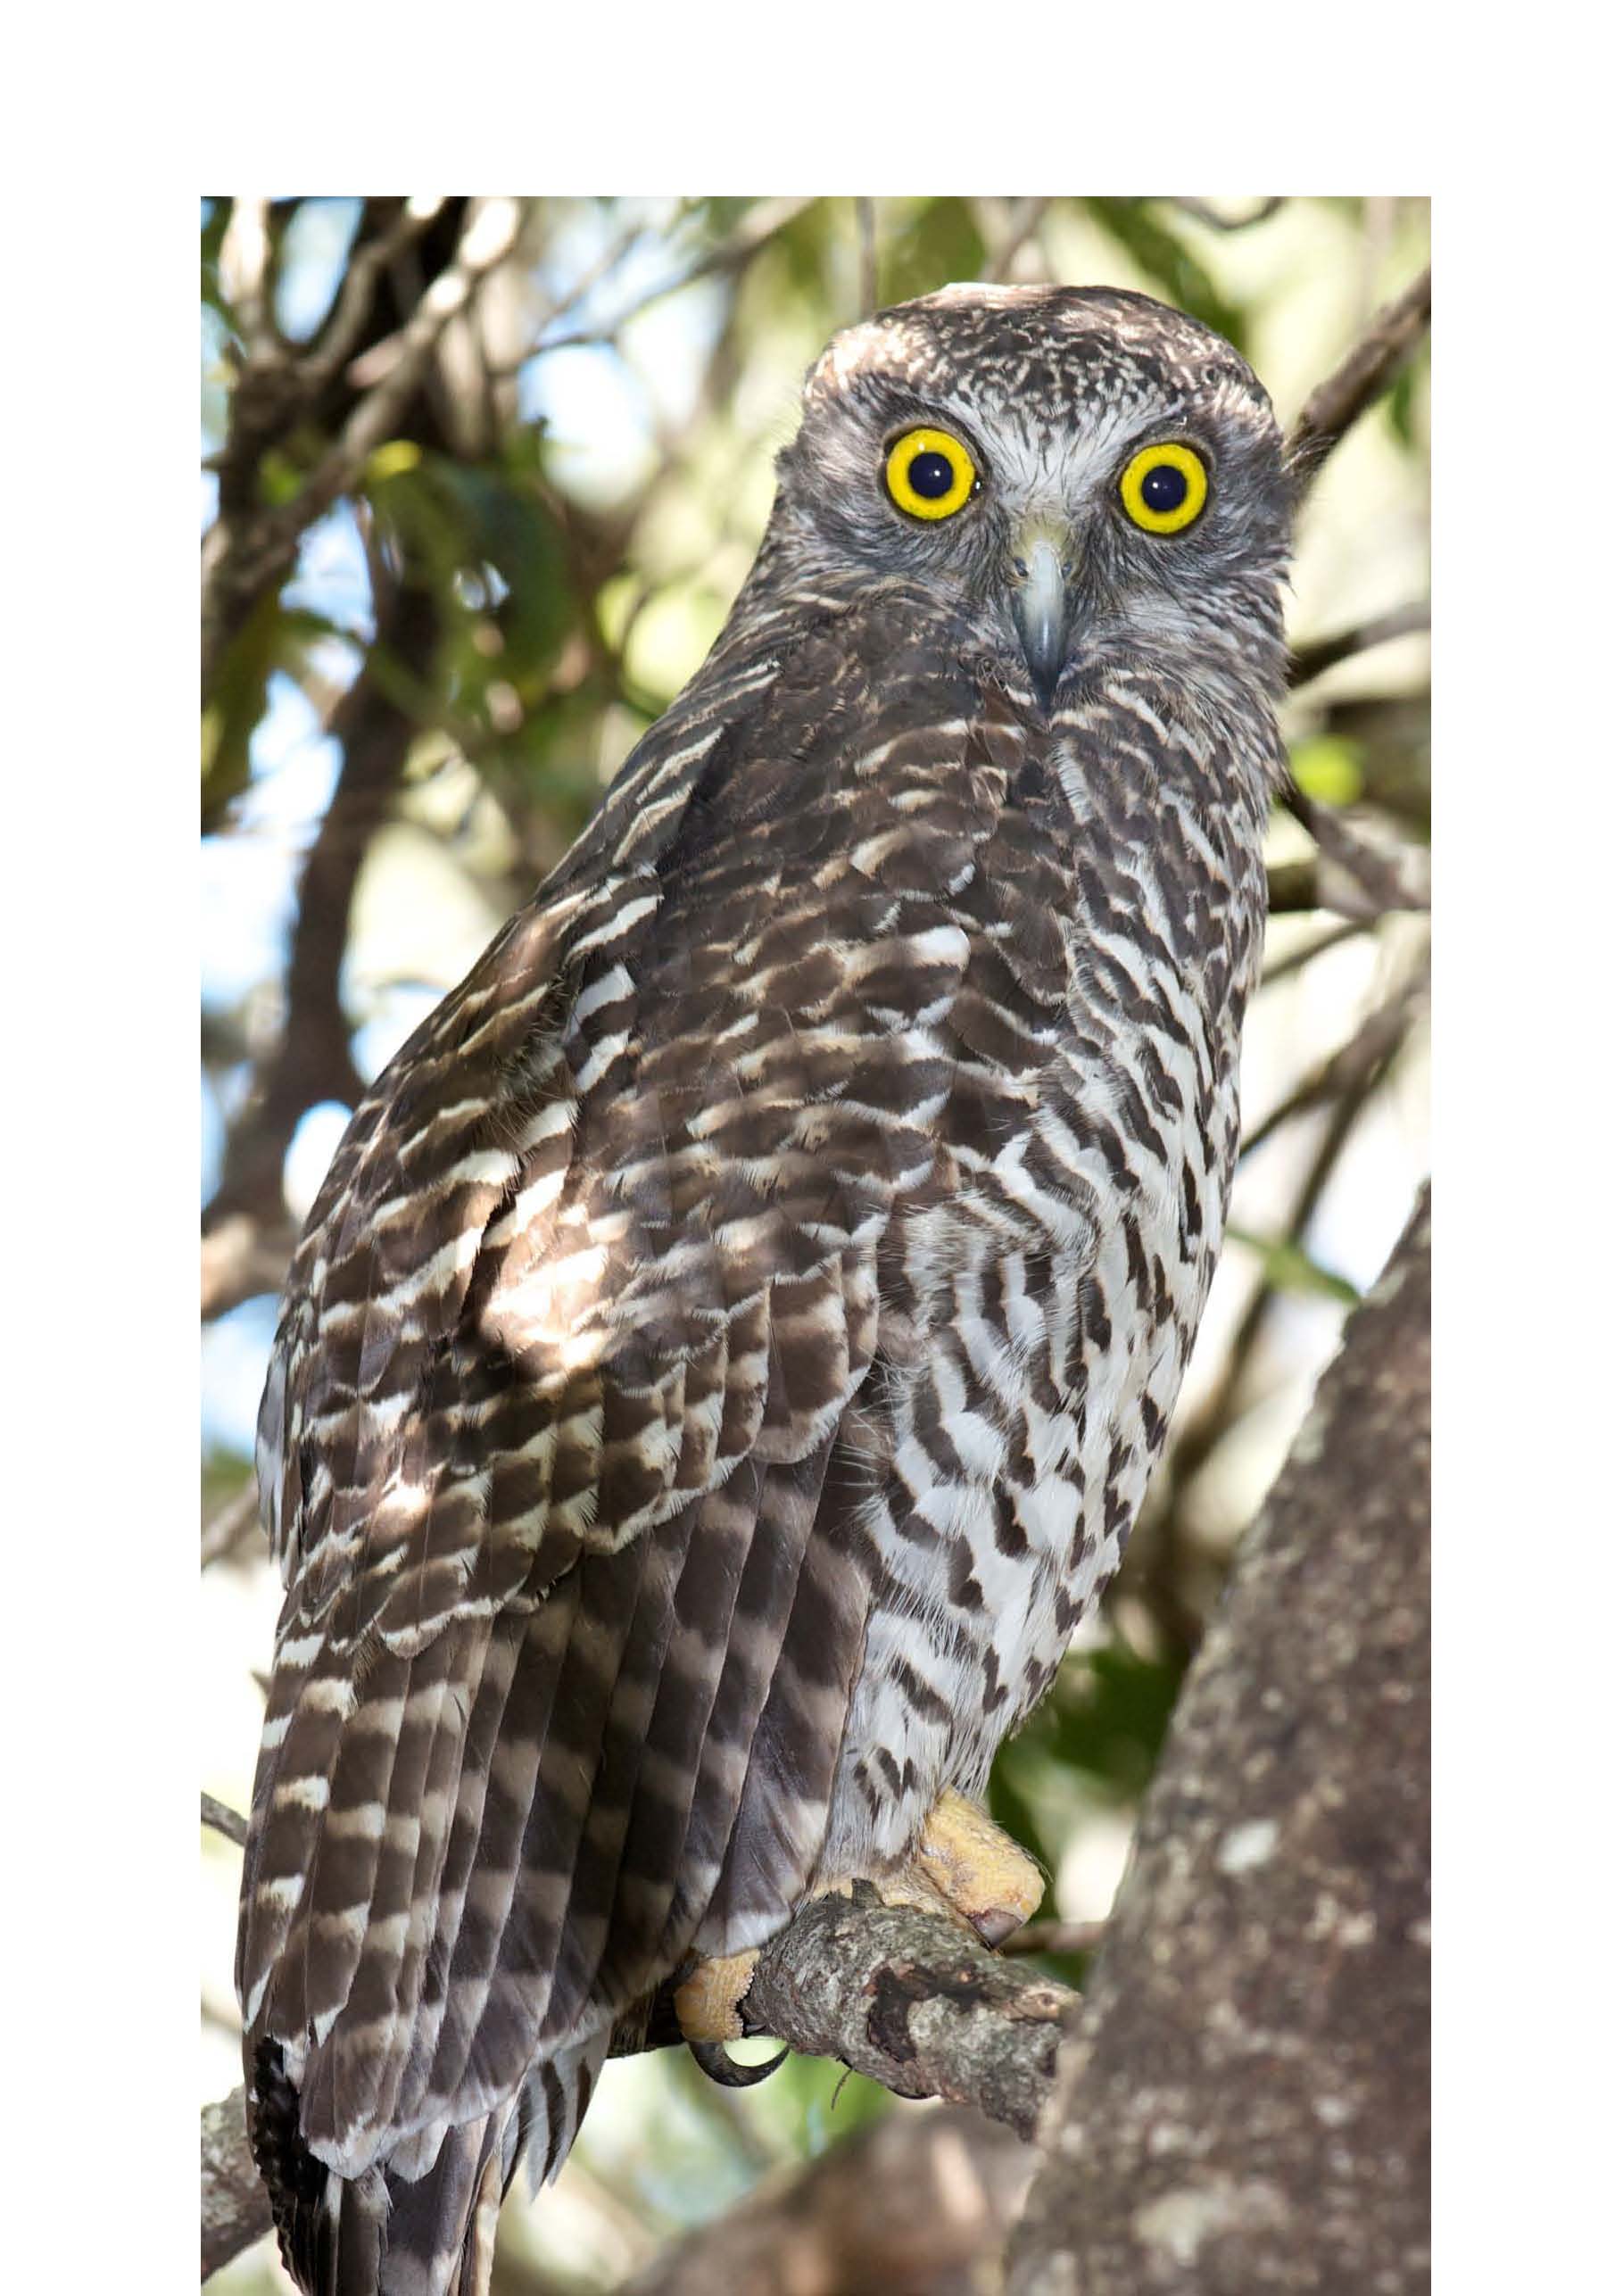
x,y
557,514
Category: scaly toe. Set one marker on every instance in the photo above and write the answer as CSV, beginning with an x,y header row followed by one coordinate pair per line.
x,y
708,2001
983,1876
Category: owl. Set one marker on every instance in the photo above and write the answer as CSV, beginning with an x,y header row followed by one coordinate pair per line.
x,y
730,1347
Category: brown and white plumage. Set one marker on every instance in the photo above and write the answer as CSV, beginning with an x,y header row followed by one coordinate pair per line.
x,y
732,1342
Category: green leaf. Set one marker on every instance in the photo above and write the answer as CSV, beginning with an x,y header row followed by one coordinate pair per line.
x,y
1329,768
1110,1714
274,637
814,2103
1288,1267
1400,400
939,242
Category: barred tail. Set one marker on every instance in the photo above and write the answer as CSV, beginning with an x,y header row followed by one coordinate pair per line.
x,y
432,2234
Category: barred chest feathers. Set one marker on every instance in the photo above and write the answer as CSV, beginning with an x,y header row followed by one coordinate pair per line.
x,y
1055,1287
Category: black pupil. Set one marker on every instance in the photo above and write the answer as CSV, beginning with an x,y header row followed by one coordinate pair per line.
x,y
1166,488
930,475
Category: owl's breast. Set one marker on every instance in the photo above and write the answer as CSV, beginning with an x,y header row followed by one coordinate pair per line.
x,y
1042,1294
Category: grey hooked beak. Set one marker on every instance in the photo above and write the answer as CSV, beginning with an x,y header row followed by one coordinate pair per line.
x,y
1039,605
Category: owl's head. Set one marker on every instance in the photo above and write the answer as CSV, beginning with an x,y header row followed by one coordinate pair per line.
x,y
1069,472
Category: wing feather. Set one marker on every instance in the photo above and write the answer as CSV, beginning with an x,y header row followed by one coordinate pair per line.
x,y
575,1605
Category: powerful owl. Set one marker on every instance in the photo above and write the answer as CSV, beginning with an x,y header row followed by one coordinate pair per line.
x,y
730,1347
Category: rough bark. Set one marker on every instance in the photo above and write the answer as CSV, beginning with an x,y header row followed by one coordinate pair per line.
x,y
246,1236
1243,2104
905,1998
235,2212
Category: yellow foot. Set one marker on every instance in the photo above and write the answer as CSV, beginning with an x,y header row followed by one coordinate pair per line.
x,y
964,1866
707,2003
984,1876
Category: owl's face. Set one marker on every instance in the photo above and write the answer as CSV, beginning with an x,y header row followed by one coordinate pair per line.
x,y
1069,472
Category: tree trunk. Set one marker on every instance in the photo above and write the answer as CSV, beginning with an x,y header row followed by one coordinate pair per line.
x,y
1243,2104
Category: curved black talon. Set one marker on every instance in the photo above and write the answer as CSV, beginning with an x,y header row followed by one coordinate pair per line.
x,y
712,2060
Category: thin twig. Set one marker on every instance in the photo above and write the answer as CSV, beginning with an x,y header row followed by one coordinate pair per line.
x,y
224,1820
1295,961
1026,218
244,274
342,331
1368,368
740,248
599,269
242,1257
231,1524
488,239
1370,1048
248,1237
246,556
1358,881
1311,661
867,257
1057,1938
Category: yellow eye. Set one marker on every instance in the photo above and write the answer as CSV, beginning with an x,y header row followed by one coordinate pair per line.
x,y
1164,488
928,474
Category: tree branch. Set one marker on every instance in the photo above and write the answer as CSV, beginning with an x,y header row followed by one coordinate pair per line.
x,y
1242,2103
236,2207
232,1522
1368,368
1354,878
224,1820
247,1236
1309,662
902,1996
252,548
1347,875
1367,1052
906,1999
765,221
1025,219
243,1256
867,257
1057,1938
346,323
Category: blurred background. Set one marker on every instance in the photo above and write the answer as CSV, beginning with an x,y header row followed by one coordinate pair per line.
x,y
481,479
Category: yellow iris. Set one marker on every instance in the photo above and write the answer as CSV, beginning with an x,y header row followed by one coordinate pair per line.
x,y
928,474
1164,488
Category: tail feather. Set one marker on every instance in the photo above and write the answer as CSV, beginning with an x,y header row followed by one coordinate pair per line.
x,y
551,2105
431,2233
